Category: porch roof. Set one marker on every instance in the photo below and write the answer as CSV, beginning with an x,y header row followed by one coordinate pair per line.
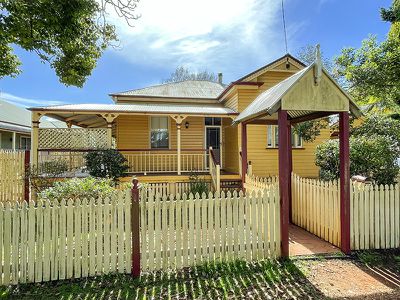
x,y
86,114
302,96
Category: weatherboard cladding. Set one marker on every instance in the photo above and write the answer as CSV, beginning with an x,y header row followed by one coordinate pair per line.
x,y
184,89
142,108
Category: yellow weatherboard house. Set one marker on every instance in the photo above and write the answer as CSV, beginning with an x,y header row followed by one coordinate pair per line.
x,y
169,131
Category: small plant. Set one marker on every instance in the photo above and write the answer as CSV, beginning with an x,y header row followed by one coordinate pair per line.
x,y
78,189
41,177
108,163
197,184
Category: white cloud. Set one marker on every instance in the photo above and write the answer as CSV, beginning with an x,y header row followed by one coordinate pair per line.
x,y
26,102
231,36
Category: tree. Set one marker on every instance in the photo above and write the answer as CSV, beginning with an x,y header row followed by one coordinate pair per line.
x,y
69,35
373,70
307,55
374,151
183,73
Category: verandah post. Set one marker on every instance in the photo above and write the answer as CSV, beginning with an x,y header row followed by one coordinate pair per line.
x,y
244,152
284,176
344,182
135,228
290,163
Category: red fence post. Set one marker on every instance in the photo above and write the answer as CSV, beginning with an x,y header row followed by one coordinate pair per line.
x,y
26,178
344,182
135,228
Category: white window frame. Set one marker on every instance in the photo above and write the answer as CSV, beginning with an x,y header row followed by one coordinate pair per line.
x,y
272,138
20,142
168,130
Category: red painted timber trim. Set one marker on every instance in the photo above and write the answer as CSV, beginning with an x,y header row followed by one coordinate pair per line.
x,y
284,180
27,166
290,165
135,229
344,181
244,152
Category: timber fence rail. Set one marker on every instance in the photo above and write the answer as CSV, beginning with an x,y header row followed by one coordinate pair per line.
x,y
257,184
12,175
45,241
190,230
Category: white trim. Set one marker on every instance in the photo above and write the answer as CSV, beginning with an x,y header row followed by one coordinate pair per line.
x,y
273,145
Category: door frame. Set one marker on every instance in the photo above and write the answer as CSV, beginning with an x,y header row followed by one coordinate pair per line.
x,y
220,141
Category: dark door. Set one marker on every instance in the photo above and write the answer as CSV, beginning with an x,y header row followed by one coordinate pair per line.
x,y
213,139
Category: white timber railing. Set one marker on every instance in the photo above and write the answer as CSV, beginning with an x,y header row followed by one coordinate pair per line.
x,y
165,161
215,171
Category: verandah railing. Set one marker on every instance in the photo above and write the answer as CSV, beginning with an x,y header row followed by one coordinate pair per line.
x,y
165,160
215,171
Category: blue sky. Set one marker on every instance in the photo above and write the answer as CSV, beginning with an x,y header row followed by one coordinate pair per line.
x,y
229,36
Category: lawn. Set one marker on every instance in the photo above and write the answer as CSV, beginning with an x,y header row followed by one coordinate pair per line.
x,y
236,280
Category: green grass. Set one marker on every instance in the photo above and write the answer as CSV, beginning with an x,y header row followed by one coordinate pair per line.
x,y
239,279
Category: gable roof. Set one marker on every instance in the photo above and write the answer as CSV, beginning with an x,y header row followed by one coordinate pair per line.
x,y
197,89
270,101
269,65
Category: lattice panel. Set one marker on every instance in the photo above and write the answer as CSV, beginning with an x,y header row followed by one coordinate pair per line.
x,y
72,138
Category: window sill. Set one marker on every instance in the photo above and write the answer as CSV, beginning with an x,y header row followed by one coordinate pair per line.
x,y
276,148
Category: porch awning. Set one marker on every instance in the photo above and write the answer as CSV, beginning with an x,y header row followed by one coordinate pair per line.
x,y
90,115
306,93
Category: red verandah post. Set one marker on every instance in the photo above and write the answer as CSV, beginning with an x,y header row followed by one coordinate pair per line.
x,y
344,182
135,228
284,179
26,178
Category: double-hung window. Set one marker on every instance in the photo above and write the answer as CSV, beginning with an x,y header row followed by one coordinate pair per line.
x,y
273,140
159,135
25,143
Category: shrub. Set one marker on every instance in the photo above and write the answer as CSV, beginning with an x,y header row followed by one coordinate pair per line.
x,y
197,184
79,188
42,177
374,157
108,163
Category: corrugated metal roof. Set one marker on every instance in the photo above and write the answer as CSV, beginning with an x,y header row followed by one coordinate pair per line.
x,y
13,127
268,100
154,108
11,113
184,89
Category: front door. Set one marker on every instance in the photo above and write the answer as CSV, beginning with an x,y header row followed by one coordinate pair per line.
x,y
213,139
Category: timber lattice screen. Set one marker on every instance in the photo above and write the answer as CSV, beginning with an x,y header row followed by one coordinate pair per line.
x,y
72,138
12,175
190,230
72,239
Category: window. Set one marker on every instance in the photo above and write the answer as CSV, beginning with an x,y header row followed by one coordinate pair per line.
x,y
159,135
273,140
212,121
25,143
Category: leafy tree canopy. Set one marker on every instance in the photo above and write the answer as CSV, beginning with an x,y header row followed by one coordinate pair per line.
x,y
373,71
69,35
183,73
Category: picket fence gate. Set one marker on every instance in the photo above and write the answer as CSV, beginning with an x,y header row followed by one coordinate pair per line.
x,y
188,230
49,241
12,175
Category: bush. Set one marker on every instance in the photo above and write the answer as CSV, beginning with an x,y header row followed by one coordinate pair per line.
x,y
374,157
108,163
197,184
79,188
42,177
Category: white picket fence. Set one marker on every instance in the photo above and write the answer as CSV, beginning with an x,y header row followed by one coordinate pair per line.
x,y
316,207
375,216
257,184
12,173
374,212
73,239
188,230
